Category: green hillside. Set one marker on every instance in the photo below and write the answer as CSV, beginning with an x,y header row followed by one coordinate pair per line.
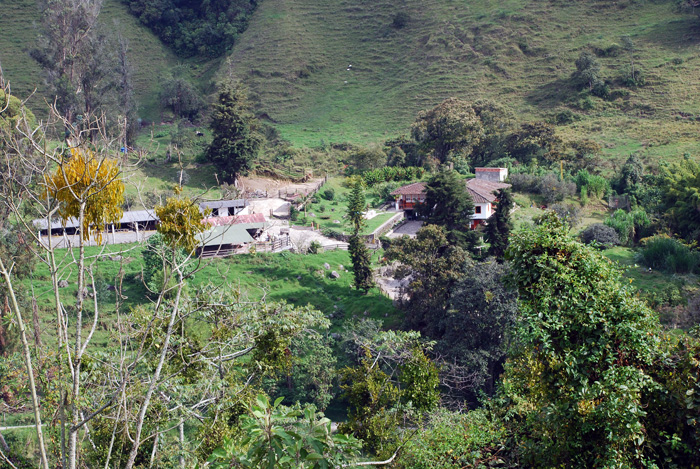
x,y
295,57
150,59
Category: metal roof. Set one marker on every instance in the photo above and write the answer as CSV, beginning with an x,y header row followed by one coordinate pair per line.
x,y
227,234
134,216
216,204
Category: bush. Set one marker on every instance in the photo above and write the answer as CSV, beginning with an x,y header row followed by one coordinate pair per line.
x,y
669,255
392,173
524,182
604,235
628,224
569,214
554,190
314,247
400,20
293,213
328,194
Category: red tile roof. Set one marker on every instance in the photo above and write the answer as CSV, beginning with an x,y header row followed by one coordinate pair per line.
x,y
482,191
417,188
235,220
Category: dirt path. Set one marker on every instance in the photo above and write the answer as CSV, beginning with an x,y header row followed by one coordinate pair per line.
x,y
274,186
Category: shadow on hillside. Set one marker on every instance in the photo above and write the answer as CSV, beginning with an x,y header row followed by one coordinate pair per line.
x,y
551,94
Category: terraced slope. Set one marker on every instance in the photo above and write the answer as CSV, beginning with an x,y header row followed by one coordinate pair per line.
x,y
296,54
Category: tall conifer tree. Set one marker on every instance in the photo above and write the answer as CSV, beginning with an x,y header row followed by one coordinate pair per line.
x,y
359,253
499,225
236,140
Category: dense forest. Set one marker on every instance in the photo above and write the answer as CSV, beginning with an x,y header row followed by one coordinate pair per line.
x,y
550,320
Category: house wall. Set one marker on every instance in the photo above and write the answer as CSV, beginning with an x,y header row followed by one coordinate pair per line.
x,y
485,209
492,174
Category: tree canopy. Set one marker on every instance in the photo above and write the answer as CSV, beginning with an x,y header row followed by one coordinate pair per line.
x,y
236,140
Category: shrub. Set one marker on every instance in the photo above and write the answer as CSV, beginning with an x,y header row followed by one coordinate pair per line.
x,y
328,194
400,20
669,255
293,213
604,235
584,195
554,190
627,224
523,182
314,247
569,214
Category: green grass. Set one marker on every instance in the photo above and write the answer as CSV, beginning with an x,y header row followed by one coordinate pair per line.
x,y
649,283
296,278
295,55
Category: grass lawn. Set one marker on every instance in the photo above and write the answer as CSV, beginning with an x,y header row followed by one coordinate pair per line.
x,y
299,279
325,213
649,283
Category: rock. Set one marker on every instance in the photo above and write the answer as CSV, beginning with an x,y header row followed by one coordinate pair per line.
x,y
335,336
326,265
298,277
335,306
62,283
337,222
115,258
111,288
365,313
386,315
312,215
335,274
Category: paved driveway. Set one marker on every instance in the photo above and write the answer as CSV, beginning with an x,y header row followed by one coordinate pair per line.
x,y
410,228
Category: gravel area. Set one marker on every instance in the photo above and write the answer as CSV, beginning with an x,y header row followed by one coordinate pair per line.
x,y
409,228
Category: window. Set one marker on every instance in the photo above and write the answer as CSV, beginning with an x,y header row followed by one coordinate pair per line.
x,y
477,209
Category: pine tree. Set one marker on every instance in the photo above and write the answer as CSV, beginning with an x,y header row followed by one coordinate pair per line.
x,y
359,253
499,225
449,204
236,141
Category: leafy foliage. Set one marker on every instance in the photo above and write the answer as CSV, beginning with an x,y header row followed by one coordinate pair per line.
x,y
450,127
195,27
236,141
604,235
361,263
87,183
586,345
435,266
628,224
669,255
454,440
482,304
276,436
392,173
499,225
180,223
448,204
680,184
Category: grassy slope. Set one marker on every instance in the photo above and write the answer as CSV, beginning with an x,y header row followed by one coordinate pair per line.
x,y
296,278
295,55
151,60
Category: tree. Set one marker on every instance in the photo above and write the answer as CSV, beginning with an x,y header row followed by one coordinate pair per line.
x,y
631,174
236,140
481,303
82,74
434,266
88,187
448,204
275,436
536,141
680,186
499,225
361,261
585,347
181,96
588,71
451,127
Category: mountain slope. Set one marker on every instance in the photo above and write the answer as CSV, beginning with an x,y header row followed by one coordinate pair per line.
x,y
295,57
150,59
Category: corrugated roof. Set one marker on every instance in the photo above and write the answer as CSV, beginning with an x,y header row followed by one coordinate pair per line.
x,y
216,204
412,189
134,216
226,234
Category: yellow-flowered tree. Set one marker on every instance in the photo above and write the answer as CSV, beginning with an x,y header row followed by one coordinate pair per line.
x,y
88,187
